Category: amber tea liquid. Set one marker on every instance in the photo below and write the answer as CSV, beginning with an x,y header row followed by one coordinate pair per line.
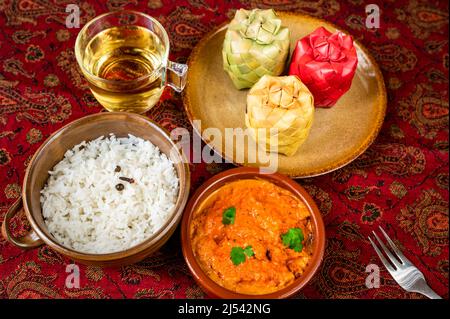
x,y
126,56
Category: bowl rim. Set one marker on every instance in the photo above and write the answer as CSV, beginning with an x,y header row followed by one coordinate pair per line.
x,y
136,249
221,179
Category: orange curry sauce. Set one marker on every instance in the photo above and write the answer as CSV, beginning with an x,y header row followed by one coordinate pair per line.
x,y
264,212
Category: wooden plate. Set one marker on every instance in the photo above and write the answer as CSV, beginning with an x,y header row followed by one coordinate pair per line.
x,y
338,135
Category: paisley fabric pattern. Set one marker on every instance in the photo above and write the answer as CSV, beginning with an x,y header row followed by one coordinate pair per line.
x,y
400,183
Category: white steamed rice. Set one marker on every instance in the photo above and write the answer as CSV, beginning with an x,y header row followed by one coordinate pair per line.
x,y
82,207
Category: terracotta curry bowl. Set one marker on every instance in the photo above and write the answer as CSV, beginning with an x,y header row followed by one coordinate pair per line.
x,y
202,195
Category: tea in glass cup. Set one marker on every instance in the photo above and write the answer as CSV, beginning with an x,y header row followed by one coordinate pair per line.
x,y
124,57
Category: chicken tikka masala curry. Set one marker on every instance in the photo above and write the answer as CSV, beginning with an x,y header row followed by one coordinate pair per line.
x,y
252,237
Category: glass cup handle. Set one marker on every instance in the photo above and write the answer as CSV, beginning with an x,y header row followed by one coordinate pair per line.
x,y
176,75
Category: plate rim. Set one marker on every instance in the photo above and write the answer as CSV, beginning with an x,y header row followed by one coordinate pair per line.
x,y
192,60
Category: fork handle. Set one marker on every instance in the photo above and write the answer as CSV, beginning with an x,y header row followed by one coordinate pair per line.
x,y
423,288
430,293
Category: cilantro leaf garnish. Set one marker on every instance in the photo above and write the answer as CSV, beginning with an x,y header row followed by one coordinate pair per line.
x,y
249,251
229,215
293,239
238,254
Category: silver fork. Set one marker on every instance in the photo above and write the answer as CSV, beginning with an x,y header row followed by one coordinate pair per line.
x,y
401,269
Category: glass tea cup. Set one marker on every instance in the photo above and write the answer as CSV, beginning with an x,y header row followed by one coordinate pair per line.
x,y
124,56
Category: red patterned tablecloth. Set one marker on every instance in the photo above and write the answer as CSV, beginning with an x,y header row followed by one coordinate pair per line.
x,y
401,182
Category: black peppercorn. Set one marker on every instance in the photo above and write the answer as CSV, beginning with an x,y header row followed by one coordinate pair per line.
x,y
120,187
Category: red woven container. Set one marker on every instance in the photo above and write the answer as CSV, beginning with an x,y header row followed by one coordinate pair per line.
x,y
326,63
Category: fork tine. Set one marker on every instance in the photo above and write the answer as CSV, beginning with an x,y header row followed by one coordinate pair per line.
x,y
383,259
391,257
394,247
